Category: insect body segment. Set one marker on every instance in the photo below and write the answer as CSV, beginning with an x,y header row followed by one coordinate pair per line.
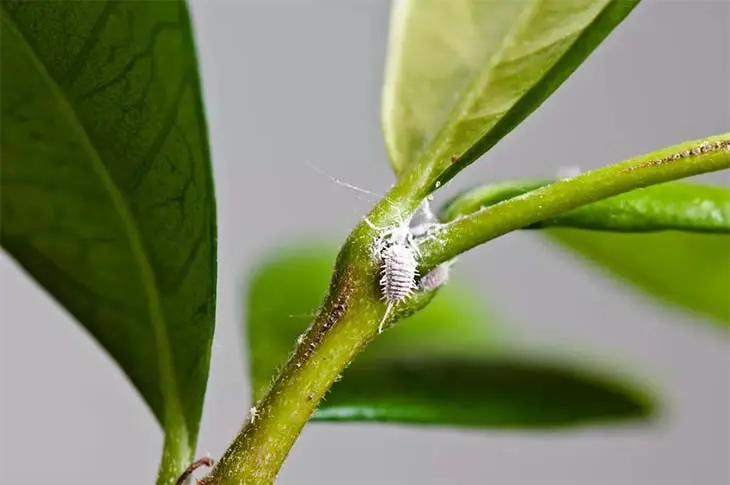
x,y
399,274
397,250
438,276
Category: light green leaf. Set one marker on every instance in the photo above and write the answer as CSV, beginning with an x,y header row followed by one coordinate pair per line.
x,y
445,365
107,193
673,205
691,271
462,74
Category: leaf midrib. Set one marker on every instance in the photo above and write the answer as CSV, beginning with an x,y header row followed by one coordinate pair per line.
x,y
175,427
438,145
481,77
440,139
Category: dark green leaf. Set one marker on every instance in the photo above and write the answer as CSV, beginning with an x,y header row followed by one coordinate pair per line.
x,y
490,392
444,365
107,194
674,205
462,74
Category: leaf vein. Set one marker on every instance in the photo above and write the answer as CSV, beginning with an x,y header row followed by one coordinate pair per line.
x,y
157,30
77,65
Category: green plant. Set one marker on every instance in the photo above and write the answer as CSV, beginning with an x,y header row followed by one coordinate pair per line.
x,y
107,201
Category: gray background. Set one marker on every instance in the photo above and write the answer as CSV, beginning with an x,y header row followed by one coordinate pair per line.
x,y
297,82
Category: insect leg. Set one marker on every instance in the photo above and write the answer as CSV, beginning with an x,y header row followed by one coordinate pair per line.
x,y
385,317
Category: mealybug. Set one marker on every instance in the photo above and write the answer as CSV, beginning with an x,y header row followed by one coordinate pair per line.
x,y
397,249
437,277
253,414
398,278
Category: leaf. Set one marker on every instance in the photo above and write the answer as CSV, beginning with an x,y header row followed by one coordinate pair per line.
x,y
689,270
445,365
673,205
462,74
301,273
686,270
107,193
490,392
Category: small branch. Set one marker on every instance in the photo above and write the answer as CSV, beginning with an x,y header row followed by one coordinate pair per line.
x,y
200,462
175,451
669,206
677,162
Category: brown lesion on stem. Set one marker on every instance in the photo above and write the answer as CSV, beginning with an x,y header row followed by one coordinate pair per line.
x,y
700,149
331,312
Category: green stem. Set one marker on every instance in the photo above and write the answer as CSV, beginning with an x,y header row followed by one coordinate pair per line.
x,y
680,161
345,323
348,319
670,206
175,455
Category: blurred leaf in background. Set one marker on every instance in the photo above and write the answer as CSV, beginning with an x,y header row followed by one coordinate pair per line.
x,y
446,365
687,270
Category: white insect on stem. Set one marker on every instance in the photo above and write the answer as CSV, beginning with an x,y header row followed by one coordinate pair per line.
x,y
398,280
253,413
396,251
397,248
437,277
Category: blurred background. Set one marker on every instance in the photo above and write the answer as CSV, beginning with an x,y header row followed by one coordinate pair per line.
x,y
290,84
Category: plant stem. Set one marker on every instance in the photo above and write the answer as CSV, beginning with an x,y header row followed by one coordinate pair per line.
x,y
670,206
175,454
345,323
274,423
680,161
348,319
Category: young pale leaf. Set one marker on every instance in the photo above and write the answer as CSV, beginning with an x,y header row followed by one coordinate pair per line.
x,y
107,194
681,268
445,365
673,205
462,74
